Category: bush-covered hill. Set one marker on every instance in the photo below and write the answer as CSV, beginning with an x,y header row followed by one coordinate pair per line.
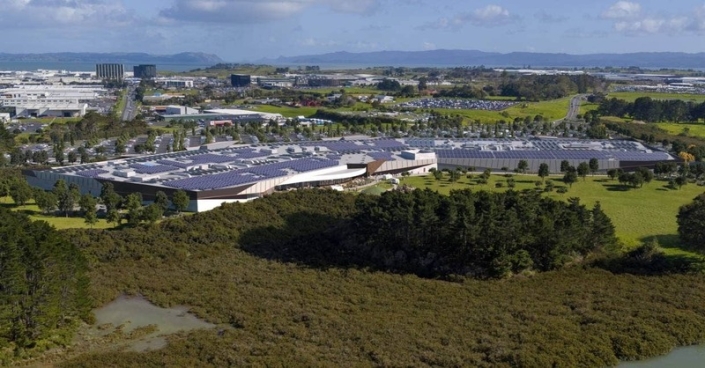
x,y
225,264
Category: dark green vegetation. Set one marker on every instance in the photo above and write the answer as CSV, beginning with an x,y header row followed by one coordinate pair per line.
x,y
43,287
256,270
652,111
529,88
691,223
480,234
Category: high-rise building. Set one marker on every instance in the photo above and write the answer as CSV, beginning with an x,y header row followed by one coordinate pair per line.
x,y
145,71
110,71
240,80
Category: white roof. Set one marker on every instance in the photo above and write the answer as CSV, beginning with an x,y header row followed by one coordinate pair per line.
x,y
236,112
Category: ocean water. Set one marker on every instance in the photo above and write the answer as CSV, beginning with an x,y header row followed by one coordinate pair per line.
x,y
86,67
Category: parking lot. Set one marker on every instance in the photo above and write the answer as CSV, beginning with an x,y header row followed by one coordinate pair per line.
x,y
459,104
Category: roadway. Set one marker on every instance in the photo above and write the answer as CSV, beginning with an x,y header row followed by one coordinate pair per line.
x,y
130,109
574,107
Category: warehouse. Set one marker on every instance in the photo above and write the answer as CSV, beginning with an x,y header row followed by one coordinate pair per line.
x,y
237,173
240,173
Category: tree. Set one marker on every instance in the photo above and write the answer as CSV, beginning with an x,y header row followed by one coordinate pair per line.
x,y
134,208
594,166
161,200
109,197
680,181
152,213
438,175
646,174
88,207
20,191
113,216
570,177
691,223
523,166
543,171
180,200
687,157
72,157
583,169
46,201
66,196
612,173
565,165
454,176
43,283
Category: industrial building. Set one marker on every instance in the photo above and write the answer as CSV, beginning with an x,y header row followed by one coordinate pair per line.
x,y
113,72
240,173
240,80
499,154
236,173
234,115
145,71
57,101
175,83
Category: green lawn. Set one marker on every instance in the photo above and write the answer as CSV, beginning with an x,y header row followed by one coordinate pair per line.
x,y
631,96
638,214
289,112
59,222
689,129
586,106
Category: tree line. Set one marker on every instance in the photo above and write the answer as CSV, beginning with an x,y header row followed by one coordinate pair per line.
x,y
653,111
43,286
65,199
481,234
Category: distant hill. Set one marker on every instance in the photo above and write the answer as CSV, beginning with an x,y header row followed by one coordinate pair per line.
x,y
114,57
442,58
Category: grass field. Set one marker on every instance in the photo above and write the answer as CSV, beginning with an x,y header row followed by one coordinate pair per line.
x,y
551,110
59,222
638,214
631,96
691,130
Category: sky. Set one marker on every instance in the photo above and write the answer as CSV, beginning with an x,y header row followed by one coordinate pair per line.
x,y
249,30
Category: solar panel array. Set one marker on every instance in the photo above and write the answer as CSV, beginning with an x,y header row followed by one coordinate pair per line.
x,y
250,175
389,144
153,169
173,163
209,158
341,146
92,173
584,155
381,156
421,142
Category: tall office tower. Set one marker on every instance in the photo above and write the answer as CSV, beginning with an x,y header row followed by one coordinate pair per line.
x,y
145,71
110,71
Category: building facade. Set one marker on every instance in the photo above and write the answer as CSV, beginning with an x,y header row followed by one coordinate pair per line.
x,y
145,71
240,80
114,72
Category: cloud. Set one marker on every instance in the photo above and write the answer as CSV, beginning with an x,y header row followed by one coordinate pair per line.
x,y
64,13
544,17
256,11
651,25
315,42
622,10
697,24
630,19
429,46
488,16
